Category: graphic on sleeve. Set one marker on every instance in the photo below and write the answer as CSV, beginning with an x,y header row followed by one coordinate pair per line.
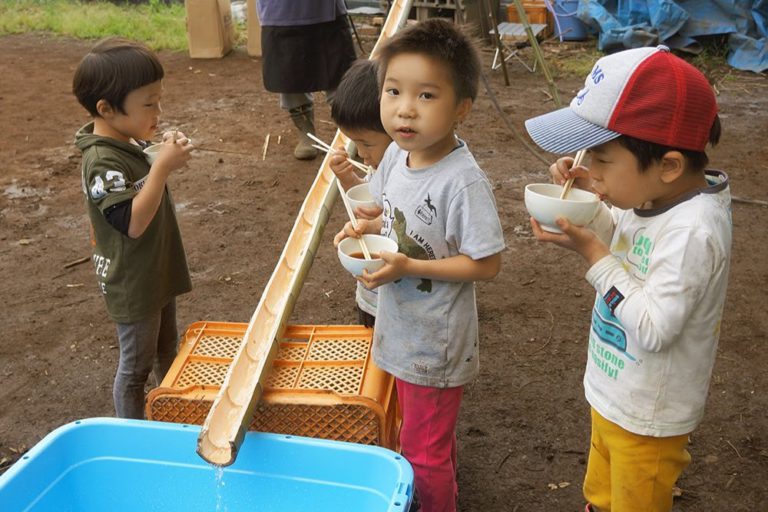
x,y
138,185
640,255
608,329
426,212
613,298
113,181
410,247
97,189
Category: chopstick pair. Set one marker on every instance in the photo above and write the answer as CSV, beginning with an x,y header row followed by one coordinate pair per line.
x,y
328,149
322,146
576,162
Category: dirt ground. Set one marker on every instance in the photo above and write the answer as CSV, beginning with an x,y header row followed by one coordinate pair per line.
x,y
524,429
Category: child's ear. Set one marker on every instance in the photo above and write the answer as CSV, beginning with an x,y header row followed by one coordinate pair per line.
x,y
104,108
672,166
464,107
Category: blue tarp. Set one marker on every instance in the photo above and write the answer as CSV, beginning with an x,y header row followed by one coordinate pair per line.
x,y
622,24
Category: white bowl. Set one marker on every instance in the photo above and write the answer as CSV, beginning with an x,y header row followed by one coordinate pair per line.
x,y
356,264
544,204
152,152
360,195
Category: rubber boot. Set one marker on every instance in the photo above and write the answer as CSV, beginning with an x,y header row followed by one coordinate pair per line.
x,y
304,119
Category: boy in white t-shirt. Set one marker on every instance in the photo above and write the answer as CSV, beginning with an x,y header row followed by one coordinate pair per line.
x,y
660,270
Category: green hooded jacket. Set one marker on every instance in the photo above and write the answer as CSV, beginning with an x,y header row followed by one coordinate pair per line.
x,y
136,276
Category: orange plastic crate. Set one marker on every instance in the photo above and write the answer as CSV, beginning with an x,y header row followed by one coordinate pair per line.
x,y
536,11
323,383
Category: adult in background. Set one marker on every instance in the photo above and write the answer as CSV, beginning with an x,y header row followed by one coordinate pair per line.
x,y
306,47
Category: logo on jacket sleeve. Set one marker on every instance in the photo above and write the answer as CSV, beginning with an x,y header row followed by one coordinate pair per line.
x,y
113,181
613,298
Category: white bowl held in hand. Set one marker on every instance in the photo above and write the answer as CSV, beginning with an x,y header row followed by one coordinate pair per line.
x,y
542,200
351,254
152,152
360,195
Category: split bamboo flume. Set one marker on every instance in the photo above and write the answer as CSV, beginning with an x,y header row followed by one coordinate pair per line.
x,y
232,410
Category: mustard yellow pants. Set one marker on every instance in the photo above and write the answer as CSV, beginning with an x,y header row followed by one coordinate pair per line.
x,y
627,472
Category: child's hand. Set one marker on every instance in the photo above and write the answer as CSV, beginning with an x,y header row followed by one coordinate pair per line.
x,y
370,213
343,169
395,267
339,163
576,238
173,135
562,170
176,151
349,230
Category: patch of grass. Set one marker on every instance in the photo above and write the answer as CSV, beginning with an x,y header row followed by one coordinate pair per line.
x,y
159,25
576,59
712,59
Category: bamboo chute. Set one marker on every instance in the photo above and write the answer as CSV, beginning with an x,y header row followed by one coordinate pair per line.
x,y
227,422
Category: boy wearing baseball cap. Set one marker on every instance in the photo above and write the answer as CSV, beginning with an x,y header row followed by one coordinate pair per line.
x,y
658,260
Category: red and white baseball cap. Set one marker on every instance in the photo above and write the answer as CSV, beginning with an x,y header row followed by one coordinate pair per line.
x,y
646,93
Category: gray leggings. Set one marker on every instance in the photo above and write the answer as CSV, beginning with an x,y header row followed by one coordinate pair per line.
x,y
147,345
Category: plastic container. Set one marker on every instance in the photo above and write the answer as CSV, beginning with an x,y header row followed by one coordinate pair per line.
x,y
323,383
106,464
567,26
535,10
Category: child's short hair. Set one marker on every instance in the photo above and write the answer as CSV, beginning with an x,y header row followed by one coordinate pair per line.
x,y
645,94
356,102
650,152
441,40
111,70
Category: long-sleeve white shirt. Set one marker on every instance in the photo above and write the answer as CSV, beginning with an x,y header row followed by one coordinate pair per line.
x,y
658,306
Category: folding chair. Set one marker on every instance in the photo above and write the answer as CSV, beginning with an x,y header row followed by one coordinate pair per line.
x,y
514,32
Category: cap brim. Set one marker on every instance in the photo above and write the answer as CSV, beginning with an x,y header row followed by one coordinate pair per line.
x,y
562,131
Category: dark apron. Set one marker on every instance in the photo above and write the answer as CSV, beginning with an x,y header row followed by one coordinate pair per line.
x,y
306,58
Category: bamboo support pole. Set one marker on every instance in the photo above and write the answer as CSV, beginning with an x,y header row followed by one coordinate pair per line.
x,y
499,44
537,51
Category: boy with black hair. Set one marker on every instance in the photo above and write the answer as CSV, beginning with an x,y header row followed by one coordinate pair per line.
x,y
660,271
138,254
356,112
439,206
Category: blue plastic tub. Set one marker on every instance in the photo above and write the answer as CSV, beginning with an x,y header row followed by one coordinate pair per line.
x,y
112,465
567,26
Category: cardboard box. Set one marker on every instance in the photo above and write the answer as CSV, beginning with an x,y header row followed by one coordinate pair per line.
x,y
254,30
210,30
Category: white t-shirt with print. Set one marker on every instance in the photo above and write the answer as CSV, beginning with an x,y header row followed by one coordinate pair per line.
x,y
658,306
